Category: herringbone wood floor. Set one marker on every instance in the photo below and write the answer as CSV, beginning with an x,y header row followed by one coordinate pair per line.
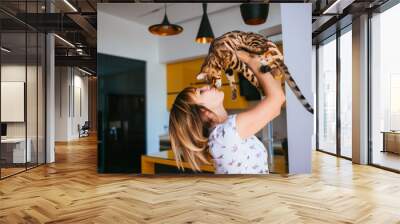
x,y
71,191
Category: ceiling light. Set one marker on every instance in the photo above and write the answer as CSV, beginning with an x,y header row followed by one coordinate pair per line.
x,y
205,33
254,13
165,28
337,7
65,41
5,49
70,5
84,71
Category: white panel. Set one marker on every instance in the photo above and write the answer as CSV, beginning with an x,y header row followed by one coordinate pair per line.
x,y
296,22
12,101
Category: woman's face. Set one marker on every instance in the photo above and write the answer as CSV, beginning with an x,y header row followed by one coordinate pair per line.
x,y
209,97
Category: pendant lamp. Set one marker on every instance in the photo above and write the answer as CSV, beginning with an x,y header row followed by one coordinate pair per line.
x,y
254,13
205,34
165,28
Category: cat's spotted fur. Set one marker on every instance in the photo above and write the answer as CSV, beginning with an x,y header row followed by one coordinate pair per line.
x,y
222,57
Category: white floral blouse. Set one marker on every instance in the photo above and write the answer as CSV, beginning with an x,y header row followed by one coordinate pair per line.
x,y
233,155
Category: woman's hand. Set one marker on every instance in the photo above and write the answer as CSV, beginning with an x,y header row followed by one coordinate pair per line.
x,y
254,119
251,60
255,62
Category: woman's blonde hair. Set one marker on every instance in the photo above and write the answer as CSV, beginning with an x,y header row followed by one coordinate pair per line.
x,y
188,132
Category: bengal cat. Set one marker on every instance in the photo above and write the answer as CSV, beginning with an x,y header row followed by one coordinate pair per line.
x,y
222,57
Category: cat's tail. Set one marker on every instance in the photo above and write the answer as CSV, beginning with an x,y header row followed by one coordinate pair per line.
x,y
295,88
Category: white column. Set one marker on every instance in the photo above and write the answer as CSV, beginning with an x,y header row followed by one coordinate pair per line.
x,y
50,99
297,45
360,90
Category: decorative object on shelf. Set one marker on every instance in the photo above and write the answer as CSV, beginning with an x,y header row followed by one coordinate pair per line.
x,y
254,13
165,28
205,34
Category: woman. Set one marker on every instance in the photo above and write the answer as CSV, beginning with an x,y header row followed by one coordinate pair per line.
x,y
202,132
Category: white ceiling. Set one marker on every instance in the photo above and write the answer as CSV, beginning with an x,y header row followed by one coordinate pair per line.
x,y
153,13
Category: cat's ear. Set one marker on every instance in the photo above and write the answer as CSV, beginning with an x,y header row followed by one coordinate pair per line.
x,y
202,76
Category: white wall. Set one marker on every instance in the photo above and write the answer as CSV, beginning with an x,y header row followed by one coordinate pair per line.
x,y
296,22
33,126
61,103
182,47
67,81
120,37
81,114
17,73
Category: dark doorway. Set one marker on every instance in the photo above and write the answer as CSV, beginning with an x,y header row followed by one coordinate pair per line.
x,y
126,134
121,114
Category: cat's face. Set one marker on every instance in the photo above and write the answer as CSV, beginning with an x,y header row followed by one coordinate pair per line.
x,y
212,73
213,77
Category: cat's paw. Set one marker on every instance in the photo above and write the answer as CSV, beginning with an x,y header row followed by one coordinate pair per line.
x,y
201,76
218,83
264,62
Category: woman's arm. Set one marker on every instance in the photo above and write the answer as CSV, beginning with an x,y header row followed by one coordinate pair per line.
x,y
251,121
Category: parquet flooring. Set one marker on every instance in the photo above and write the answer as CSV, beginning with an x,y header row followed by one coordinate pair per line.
x,y
71,191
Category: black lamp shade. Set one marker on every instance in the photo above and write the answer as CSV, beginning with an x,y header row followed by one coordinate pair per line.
x,y
254,13
205,34
165,28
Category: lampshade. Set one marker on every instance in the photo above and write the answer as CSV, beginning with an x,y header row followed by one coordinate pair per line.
x,y
205,34
165,28
254,13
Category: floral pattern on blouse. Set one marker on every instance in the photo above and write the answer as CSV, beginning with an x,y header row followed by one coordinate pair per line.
x,y
234,155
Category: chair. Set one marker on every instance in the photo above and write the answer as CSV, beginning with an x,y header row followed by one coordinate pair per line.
x,y
84,130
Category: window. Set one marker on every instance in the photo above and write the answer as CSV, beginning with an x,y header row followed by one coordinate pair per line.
x,y
346,92
385,89
327,96
22,78
335,94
